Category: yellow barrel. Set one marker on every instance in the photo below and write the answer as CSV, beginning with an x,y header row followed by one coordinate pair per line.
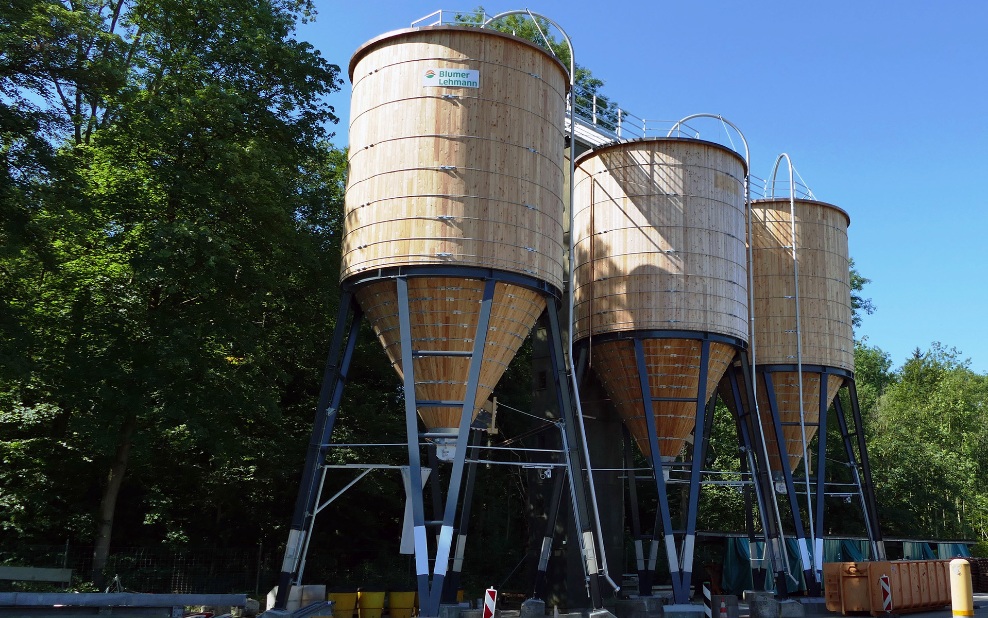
x,y
456,163
824,321
660,250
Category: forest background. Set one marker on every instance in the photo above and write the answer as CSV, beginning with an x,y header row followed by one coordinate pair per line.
x,y
170,218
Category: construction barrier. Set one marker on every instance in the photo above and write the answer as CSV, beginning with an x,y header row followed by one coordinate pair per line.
x,y
886,587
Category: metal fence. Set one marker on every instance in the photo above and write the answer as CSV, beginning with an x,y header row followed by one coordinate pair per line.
x,y
160,570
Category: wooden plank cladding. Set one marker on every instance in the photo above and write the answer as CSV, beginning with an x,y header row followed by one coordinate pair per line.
x,y
673,368
660,229
659,246
467,175
824,320
444,313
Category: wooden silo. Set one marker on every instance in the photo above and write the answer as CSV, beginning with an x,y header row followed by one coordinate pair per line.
x,y
660,259
802,308
456,176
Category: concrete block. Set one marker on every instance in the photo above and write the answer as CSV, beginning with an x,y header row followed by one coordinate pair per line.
x,y
762,605
471,613
600,613
791,608
814,606
532,608
683,610
450,611
638,607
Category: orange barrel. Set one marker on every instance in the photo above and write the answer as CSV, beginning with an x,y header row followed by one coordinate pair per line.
x,y
660,256
824,319
456,172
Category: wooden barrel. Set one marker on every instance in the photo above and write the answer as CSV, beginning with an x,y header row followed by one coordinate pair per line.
x,y
660,250
456,164
824,320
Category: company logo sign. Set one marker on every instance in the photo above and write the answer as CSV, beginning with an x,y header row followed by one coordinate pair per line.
x,y
451,78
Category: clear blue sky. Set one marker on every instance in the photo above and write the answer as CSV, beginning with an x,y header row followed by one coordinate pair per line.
x,y
883,107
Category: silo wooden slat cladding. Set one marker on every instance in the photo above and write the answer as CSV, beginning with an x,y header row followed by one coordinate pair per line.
x,y
454,176
824,322
660,228
498,201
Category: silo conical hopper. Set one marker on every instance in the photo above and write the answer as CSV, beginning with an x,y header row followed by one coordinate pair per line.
x,y
456,177
822,328
660,257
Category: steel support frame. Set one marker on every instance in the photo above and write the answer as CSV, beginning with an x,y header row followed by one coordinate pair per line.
x,y
861,472
678,544
430,582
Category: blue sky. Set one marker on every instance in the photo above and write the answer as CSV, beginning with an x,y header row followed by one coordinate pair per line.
x,y
883,107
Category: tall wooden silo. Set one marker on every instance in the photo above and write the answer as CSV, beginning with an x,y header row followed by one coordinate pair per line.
x,y
802,296
452,245
660,290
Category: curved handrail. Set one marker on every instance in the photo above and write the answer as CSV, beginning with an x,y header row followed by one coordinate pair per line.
x,y
747,157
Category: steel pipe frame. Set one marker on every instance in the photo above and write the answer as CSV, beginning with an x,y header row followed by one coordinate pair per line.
x,y
680,562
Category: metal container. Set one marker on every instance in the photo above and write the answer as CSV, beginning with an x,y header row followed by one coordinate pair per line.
x,y
456,169
882,588
660,257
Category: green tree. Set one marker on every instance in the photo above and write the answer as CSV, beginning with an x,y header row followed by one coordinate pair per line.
x,y
589,100
928,439
179,244
859,303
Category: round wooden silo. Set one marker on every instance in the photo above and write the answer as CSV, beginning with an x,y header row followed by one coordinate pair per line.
x,y
456,174
823,324
660,256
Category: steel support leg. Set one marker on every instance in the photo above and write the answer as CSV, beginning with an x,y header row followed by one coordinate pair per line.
x,y
644,573
861,474
804,554
821,485
453,581
550,531
757,462
576,465
330,394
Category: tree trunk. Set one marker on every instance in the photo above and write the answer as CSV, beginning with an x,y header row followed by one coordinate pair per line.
x,y
108,504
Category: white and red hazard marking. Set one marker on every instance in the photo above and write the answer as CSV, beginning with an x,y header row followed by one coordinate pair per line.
x,y
490,600
886,593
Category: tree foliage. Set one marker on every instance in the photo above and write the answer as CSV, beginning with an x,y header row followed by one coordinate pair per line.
x,y
927,441
172,206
